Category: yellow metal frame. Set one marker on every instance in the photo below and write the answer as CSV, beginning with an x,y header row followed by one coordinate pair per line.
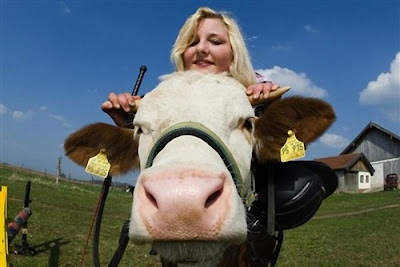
x,y
3,227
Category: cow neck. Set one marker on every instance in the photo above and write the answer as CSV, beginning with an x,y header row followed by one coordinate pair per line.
x,y
235,256
244,188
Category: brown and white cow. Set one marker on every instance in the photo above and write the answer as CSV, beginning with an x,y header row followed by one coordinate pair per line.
x,y
186,201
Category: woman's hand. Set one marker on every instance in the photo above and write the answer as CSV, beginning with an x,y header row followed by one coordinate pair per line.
x,y
119,106
261,90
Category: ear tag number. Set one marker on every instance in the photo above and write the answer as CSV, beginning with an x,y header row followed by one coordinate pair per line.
x,y
292,149
98,165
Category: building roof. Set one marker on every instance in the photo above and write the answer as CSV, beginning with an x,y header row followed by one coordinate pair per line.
x,y
364,132
346,162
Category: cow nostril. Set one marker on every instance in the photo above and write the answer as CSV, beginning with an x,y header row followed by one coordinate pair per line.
x,y
213,197
152,199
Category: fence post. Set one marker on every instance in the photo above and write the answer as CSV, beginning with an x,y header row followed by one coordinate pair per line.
x,y
58,169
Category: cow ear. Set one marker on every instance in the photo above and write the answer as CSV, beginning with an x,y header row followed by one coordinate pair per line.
x,y
119,144
308,118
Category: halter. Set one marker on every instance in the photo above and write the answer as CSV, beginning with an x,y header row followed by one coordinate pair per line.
x,y
245,189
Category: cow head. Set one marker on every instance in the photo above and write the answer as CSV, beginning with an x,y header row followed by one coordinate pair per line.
x,y
194,138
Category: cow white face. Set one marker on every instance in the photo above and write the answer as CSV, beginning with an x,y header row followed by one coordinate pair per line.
x,y
186,202
188,195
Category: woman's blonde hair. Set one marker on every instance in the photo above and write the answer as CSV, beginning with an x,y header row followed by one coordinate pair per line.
x,y
241,68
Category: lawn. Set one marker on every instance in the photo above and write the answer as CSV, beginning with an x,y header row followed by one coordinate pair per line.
x,y
348,230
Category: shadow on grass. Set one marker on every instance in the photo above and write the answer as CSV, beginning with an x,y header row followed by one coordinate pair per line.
x,y
54,247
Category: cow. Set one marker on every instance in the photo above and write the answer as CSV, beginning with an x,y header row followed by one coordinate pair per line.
x,y
194,138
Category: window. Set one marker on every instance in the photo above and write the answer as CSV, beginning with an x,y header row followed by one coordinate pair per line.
x,y
362,179
367,178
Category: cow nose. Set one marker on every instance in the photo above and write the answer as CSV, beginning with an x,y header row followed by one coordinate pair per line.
x,y
201,192
184,207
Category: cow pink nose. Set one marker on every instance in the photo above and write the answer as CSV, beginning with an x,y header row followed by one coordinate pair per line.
x,y
185,206
201,193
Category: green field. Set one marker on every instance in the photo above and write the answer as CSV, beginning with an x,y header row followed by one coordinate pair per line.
x,y
348,230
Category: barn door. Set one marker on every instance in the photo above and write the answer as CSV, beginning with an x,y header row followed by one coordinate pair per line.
x,y
364,180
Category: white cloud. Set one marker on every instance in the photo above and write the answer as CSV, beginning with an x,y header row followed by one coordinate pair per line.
x,y
334,140
281,47
252,38
3,109
16,114
299,82
309,28
61,119
67,10
20,115
93,91
384,92
64,7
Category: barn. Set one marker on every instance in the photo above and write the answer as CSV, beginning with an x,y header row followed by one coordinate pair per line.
x,y
354,172
374,146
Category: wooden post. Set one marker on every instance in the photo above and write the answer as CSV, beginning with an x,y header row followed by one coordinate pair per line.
x,y
58,170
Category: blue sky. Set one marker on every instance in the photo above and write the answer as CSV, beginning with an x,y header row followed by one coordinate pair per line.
x,y
60,59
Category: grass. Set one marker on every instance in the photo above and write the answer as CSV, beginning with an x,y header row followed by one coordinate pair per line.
x,y
362,230
348,230
60,222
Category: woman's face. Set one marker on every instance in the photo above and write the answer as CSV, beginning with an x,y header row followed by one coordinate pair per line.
x,y
211,50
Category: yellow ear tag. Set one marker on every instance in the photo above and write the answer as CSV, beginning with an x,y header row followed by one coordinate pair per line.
x,y
98,165
292,149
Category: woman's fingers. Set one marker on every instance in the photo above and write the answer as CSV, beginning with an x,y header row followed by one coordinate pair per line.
x,y
261,90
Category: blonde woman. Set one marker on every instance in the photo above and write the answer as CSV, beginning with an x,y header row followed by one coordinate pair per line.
x,y
208,42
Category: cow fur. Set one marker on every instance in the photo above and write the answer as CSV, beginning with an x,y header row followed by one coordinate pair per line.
x,y
308,118
220,103
121,148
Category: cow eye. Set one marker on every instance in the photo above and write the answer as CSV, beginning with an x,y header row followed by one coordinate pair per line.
x,y
248,124
137,131
140,129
